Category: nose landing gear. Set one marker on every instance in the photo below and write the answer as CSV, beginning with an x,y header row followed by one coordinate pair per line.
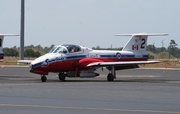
x,y
43,78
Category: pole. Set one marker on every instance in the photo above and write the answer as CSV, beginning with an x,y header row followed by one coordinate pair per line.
x,y
22,32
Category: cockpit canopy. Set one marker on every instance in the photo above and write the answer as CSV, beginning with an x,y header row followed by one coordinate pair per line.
x,y
66,48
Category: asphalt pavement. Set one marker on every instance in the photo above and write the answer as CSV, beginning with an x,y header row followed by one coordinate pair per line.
x,y
136,91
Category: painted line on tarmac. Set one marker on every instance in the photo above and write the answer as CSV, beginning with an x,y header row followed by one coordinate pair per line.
x,y
47,83
14,66
137,76
89,108
161,68
173,82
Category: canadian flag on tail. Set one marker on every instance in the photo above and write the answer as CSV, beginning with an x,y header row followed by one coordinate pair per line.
x,y
134,47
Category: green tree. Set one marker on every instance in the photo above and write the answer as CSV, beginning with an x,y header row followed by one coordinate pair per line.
x,y
161,49
150,56
10,52
37,54
29,53
151,48
47,49
172,49
98,48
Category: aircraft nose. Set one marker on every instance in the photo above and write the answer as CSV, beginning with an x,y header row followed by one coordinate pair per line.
x,y
42,61
34,64
31,65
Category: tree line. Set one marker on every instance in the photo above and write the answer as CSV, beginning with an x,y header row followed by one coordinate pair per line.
x,y
29,51
171,49
36,51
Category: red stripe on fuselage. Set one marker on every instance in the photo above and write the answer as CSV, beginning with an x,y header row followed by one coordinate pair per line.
x,y
80,64
1,57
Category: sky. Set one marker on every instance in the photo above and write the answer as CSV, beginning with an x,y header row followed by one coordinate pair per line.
x,y
90,23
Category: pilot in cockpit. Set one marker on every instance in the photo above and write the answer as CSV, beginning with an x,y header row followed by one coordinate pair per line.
x,y
72,50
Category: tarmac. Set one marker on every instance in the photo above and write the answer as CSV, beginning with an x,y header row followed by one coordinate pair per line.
x,y
136,91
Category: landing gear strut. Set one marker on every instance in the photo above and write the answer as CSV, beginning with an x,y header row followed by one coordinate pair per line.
x,y
43,78
62,76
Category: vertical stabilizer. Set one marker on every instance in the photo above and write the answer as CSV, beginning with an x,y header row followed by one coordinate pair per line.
x,y
138,42
1,43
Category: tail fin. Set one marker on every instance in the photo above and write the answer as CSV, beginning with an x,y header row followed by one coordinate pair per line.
x,y
1,43
137,42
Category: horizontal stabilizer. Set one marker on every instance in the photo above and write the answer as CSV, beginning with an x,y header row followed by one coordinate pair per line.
x,y
9,34
143,34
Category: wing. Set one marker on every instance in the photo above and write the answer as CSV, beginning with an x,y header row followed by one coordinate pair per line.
x,y
24,61
120,63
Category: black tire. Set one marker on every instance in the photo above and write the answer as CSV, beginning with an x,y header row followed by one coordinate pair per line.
x,y
62,77
43,78
110,77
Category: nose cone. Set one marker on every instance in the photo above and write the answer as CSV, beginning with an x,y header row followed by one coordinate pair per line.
x,y
37,62
40,61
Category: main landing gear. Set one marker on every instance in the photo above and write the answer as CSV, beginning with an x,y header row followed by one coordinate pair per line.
x,y
112,75
43,78
62,76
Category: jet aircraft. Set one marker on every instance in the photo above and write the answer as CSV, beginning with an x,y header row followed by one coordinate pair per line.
x,y
69,60
1,43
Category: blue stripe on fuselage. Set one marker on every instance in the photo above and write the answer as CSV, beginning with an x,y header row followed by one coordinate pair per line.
x,y
1,54
108,56
84,56
145,56
123,56
37,64
75,57
64,58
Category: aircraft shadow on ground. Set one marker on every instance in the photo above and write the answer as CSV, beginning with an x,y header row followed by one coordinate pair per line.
x,y
38,80
115,81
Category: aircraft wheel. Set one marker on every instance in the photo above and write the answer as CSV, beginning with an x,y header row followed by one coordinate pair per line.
x,y
110,77
43,78
62,76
